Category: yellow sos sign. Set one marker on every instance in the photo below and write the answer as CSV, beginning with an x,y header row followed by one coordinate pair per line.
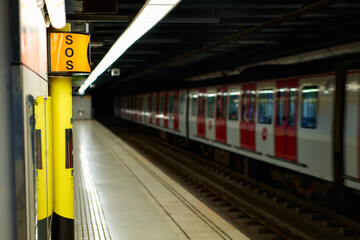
x,y
69,53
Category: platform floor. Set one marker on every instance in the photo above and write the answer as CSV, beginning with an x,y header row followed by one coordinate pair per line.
x,y
120,195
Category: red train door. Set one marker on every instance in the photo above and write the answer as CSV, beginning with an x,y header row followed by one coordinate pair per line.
x,y
166,107
157,109
150,108
248,117
285,120
201,113
221,114
176,110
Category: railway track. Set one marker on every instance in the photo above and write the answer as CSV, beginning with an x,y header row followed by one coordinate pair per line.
x,y
260,211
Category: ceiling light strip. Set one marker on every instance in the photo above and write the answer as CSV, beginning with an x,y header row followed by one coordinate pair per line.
x,y
150,14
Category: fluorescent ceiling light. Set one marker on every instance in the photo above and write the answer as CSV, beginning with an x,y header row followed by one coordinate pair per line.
x,y
234,93
150,14
266,91
167,2
310,90
56,10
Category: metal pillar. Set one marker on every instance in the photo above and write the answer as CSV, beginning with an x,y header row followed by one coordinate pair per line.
x,y
63,221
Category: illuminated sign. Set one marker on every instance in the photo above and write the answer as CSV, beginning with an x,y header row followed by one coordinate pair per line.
x,y
69,53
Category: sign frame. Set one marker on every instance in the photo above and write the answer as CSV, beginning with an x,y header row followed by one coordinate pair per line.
x,y
66,73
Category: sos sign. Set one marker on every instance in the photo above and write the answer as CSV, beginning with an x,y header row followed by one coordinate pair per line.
x,y
69,53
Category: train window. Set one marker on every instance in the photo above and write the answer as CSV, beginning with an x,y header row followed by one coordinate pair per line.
x,y
132,102
280,107
182,98
139,103
265,105
292,104
201,106
161,104
309,107
144,104
233,105
133,105
218,106
210,109
243,108
136,103
224,106
154,103
252,106
193,104
171,100
203,102
176,104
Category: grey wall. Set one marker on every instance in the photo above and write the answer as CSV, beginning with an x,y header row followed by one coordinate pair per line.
x,y
82,107
7,169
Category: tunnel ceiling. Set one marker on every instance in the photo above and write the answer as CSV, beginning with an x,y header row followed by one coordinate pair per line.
x,y
199,40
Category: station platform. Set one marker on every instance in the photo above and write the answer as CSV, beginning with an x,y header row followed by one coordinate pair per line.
x,y
120,195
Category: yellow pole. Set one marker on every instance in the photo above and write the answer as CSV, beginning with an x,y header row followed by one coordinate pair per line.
x,y
63,221
44,165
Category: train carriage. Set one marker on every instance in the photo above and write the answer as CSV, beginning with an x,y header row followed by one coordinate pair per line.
x,y
284,122
162,110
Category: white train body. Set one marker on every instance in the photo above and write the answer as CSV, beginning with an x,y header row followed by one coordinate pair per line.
x,y
352,132
161,110
283,122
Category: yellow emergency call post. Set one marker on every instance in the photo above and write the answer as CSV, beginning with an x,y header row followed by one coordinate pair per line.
x,y
44,165
69,53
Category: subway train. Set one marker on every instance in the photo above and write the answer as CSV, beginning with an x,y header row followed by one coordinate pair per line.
x,y
288,122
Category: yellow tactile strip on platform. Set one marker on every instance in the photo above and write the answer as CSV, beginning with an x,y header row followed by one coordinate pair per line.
x,y
90,222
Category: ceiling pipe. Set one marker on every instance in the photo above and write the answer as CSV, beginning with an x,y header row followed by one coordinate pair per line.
x,y
99,18
271,23
127,19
